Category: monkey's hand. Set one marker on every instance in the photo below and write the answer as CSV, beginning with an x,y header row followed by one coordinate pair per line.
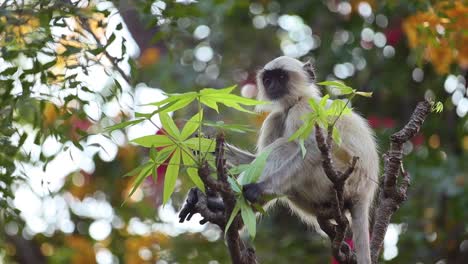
x,y
209,205
253,192
189,208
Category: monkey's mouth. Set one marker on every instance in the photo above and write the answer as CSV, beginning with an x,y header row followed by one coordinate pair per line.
x,y
275,92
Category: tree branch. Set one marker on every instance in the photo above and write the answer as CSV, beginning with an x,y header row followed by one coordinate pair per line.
x,y
340,249
391,195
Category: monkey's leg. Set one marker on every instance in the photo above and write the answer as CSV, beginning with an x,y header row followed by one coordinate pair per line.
x,y
236,156
360,228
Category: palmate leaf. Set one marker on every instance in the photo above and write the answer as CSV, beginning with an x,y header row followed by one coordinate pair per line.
x,y
192,125
248,216
212,97
338,107
169,126
234,213
192,171
174,102
235,186
145,171
200,144
207,96
255,169
153,141
231,127
171,175
343,88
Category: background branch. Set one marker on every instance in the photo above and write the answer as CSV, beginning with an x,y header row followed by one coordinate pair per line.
x,y
392,194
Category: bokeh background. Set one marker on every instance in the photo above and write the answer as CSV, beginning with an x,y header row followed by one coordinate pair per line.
x,y
68,69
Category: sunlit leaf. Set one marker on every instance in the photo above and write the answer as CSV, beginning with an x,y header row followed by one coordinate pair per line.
x,y
171,175
210,103
200,144
164,153
169,125
343,88
336,136
365,94
139,179
153,141
231,127
192,125
192,171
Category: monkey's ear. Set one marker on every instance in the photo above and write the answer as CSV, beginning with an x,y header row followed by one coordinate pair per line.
x,y
309,69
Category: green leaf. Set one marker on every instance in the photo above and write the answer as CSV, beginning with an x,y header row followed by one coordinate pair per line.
x,y
235,186
169,125
145,171
164,154
336,136
210,103
238,169
192,125
171,175
153,141
123,125
231,127
207,145
234,213
338,107
365,94
323,101
344,89
174,106
255,169
248,216
192,171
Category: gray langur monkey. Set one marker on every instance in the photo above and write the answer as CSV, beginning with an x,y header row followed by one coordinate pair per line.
x,y
301,181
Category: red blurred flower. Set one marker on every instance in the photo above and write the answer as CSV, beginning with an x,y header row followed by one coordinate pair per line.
x,y
394,34
388,122
418,139
374,121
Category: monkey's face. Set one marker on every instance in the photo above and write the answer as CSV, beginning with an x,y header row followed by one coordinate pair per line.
x,y
284,80
275,83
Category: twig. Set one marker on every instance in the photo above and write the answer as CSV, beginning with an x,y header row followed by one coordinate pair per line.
x,y
391,195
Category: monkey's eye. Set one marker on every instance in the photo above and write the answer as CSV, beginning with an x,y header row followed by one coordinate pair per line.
x,y
267,81
282,76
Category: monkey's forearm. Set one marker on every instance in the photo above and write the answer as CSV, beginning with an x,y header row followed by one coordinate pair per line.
x,y
282,165
236,156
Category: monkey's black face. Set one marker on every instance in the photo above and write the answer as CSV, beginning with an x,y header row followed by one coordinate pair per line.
x,y
275,83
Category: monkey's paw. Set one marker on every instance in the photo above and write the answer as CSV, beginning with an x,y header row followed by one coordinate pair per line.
x,y
252,192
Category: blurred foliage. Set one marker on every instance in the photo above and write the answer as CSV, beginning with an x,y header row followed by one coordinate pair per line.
x,y
51,51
